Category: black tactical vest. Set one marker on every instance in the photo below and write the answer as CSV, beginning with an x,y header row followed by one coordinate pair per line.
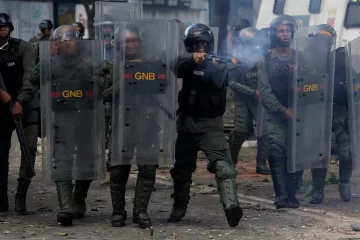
x,y
11,67
280,74
203,93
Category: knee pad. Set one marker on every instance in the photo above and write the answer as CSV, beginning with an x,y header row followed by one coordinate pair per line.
x,y
147,172
180,175
222,170
120,173
277,149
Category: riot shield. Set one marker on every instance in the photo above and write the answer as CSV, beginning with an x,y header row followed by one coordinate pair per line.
x,y
71,109
107,16
353,83
311,100
144,98
261,122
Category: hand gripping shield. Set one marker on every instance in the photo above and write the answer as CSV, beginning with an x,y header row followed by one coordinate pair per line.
x,y
311,100
71,108
107,17
353,83
144,98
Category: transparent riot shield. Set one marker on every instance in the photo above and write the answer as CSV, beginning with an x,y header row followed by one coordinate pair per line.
x,y
107,16
353,83
311,100
261,123
71,109
144,98
304,32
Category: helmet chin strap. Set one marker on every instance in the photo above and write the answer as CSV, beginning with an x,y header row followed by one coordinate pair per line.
x,y
5,45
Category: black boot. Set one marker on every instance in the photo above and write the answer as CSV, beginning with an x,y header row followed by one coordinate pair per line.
x,y
345,172
278,172
262,147
80,194
318,183
143,193
20,197
229,199
292,180
64,191
181,198
119,214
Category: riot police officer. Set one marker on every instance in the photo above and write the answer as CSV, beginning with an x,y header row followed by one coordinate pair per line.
x,y
340,125
17,60
202,103
71,65
80,27
238,25
274,75
45,27
244,85
133,138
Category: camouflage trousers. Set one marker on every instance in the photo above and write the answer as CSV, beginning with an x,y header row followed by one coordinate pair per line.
x,y
243,128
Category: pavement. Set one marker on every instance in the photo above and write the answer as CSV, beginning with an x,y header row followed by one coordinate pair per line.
x,y
204,219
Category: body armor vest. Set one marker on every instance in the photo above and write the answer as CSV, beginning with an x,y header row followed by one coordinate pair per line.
x,y
280,74
11,67
204,91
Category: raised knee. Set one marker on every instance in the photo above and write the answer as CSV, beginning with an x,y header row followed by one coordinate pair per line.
x,y
223,170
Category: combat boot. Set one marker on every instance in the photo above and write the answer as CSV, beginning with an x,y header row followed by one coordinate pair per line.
x,y
318,182
292,180
228,196
181,198
4,202
278,172
261,167
235,143
119,214
20,197
143,193
345,172
64,191
80,194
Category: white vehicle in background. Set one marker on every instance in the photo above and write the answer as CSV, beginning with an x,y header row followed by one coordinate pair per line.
x,y
343,15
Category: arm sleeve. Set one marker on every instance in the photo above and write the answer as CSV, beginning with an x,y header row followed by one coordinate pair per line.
x,y
236,85
184,62
268,98
26,92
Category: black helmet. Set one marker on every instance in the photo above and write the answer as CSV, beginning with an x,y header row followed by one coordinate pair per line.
x,y
66,32
198,32
5,20
45,24
264,39
80,27
247,35
323,29
240,24
282,20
